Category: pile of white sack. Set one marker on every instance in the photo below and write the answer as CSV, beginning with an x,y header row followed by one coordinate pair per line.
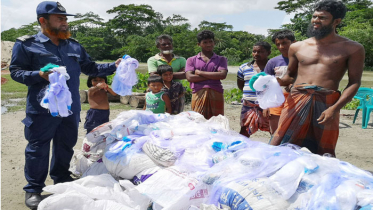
x,y
142,160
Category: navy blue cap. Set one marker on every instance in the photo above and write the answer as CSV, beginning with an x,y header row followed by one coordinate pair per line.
x,y
51,7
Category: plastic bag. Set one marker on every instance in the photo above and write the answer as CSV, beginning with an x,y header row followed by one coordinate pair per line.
x,y
57,97
269,92
125,76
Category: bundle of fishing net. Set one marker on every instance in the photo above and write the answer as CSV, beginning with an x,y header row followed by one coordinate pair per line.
x,y
269,92
57,96
125,76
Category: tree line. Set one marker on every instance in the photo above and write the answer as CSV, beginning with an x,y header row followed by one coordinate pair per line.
x,y
134,28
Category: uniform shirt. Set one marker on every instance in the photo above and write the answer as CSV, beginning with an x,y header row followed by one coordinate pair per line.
x,y
155,103
277,66
176,63
215,64
34,52
245,73
175,90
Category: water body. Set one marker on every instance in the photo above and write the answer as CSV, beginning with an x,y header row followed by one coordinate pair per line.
x,y
3,109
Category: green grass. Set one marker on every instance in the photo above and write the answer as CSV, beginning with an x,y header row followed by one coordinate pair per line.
x,y
12,90
105,61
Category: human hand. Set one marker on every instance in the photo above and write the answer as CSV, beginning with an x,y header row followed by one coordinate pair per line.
x,y
102,85
287,88
266,113
280,71
45,75
117,62
197,72
327,116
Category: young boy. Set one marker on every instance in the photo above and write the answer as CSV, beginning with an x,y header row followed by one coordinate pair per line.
x,y
252,117
156,100
98,102
277,66
204,72
173,89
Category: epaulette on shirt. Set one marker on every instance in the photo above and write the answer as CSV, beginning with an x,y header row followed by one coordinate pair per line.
x,y
24,38
73,39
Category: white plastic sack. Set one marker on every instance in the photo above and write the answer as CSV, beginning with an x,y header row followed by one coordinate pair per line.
x,y
145,174
270,94
252,194
103,187
79,201
167,186
79,163
96,168
365,197
286,180
161,156
197,159
124,162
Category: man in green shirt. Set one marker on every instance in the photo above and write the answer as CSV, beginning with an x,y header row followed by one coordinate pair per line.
x,y
166,56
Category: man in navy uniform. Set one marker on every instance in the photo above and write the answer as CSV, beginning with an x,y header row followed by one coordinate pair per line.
x,y
30,54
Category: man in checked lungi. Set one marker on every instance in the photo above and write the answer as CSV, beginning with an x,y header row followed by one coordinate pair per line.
x,y
310,117
204,72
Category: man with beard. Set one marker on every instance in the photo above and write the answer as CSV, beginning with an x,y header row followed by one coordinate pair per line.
x,y
30,54
166,57
310,117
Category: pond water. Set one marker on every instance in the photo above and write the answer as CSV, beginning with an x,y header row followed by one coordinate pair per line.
x,y
3,109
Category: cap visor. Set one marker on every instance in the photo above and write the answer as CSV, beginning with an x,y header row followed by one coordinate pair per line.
x,y
61,14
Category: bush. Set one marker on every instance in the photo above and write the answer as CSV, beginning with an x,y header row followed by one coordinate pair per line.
x,y
352,105
142,84
188,91
231,95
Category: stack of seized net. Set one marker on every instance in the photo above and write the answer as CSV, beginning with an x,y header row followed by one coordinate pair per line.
x,y
184,161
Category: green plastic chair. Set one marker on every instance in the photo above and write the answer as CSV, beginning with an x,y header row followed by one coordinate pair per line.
x,y
369,106
362,94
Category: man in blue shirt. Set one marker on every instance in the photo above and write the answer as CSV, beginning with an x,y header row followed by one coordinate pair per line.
x,y
30,54
277,67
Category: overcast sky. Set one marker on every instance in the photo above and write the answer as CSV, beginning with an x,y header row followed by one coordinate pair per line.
x,y
254,16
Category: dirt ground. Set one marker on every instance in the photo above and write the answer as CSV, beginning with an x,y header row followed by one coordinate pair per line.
x,y
355,145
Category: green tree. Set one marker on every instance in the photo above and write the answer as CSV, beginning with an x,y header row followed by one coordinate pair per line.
x,y
132,19
184,39
91,31
138,47
12,34
362,33
214,26
233,55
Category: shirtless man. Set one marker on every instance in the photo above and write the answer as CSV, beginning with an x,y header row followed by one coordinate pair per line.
x,y
316,66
